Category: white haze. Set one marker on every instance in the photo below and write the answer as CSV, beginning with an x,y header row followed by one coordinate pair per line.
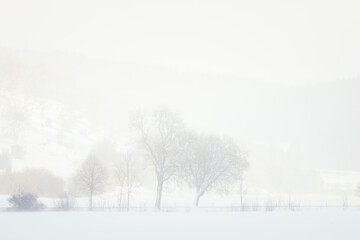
x,y
281,77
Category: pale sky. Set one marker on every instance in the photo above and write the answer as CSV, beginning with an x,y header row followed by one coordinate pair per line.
x,y
291,42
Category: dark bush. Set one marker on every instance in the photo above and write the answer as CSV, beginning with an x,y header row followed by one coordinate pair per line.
x,y
25,202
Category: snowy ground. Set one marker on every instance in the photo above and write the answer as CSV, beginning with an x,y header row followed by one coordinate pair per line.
x,y
193,225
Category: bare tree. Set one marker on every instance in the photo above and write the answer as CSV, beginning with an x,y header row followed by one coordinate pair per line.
x,y
127,175
119,174
91,178
210,161
158,134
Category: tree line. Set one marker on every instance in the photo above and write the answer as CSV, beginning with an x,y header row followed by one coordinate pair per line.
x,y
203,161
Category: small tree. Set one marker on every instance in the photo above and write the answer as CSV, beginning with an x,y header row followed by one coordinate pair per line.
x,y
120,176
127,175
210,161
91,178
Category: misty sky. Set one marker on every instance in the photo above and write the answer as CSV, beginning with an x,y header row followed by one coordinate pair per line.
x,y
283,74
287,41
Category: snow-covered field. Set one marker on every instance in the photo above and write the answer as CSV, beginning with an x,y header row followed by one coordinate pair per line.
x,y
192,225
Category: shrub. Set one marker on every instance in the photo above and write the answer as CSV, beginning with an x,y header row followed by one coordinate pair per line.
x,y
65,203
270,205
25,202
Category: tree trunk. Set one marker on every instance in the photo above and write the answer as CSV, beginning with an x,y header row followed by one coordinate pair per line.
x,y
120,198
241,193
128,199
158,194
197,197
91,201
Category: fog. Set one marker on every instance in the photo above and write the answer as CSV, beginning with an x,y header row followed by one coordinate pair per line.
x,y
280,78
